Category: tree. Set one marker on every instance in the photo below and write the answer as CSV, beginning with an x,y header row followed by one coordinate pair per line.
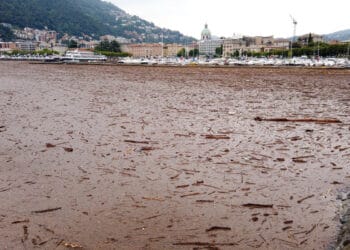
x,y
6,34
72,44
194,53
218,51
181,53
236,53
107,46
115,46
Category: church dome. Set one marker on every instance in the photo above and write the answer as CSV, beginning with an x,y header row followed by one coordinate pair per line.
x,y
206,35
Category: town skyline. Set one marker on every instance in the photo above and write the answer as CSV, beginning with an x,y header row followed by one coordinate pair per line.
x,y
254,18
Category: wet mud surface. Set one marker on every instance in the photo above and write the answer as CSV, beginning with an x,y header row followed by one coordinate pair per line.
x,y
171,158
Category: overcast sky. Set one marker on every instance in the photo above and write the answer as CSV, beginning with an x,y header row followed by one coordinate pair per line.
x,y
247,17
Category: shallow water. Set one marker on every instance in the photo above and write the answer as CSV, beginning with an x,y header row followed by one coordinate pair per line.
x,y
143,173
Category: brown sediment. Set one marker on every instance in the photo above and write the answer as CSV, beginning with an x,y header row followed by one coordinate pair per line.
x,y
155,157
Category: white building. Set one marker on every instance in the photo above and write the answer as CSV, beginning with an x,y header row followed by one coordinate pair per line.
x,y
207,45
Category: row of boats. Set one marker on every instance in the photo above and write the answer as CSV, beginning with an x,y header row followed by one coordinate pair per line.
x,y
89,57
246,61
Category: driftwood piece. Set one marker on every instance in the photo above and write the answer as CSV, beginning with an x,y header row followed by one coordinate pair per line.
x,y
315,120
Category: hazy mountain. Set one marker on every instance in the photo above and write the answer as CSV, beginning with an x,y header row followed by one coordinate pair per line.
x,y
343,35
78,17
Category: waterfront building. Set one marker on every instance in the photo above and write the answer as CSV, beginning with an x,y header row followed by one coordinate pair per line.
x,y
148,50
238,46
27,46
7,46
171,50
144,49
305,39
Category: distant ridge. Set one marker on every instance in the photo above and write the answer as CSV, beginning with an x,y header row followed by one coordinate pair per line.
x,y
343,35
84,17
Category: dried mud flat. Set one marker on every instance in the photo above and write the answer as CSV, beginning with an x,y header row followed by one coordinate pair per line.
x,y
117,157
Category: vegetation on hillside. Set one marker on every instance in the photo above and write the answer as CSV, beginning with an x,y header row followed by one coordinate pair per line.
x,y
6,34
83,17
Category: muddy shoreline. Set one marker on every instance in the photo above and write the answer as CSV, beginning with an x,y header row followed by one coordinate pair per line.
x,y
171,158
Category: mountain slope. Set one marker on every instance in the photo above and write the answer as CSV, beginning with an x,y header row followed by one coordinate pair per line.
x,y
343,35
78,17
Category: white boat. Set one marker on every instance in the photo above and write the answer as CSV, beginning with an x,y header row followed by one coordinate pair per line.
x,y
82,56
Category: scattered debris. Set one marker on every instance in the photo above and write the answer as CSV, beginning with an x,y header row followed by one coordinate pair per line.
x,y
50,145
82,170
25,233
286,228
72,245
336,183
68,150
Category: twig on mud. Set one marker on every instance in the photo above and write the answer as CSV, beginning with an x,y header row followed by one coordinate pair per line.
x,y
47,210
287,242
217,137
153,199
205,201
253,205
191,194
20,221
175,176
215,228
305,198
137,142
207,244
312,229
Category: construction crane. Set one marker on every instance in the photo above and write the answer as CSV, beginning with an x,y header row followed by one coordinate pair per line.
x,y
295,23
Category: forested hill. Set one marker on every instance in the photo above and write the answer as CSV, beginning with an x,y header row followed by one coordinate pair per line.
x,y
78,17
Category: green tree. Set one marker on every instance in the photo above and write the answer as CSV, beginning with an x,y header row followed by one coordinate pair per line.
x,y
107,46
194,52
310,40
235,54
115,46
181,53
218,51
